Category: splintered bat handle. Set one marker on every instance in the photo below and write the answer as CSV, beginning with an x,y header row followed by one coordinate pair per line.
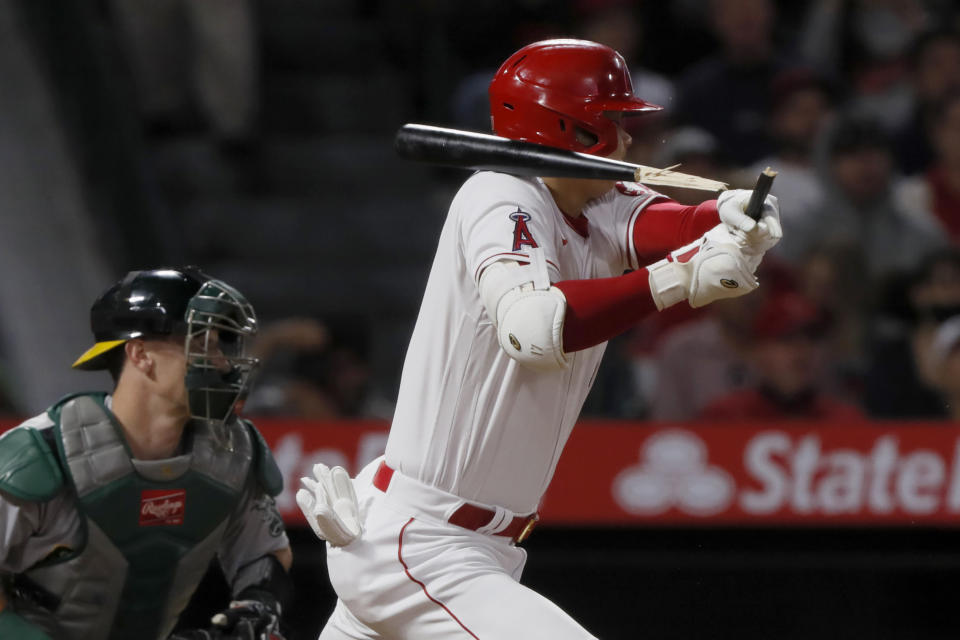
x,y
764,182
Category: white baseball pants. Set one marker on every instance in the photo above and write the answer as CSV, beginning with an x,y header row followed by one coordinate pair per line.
x,y
413,576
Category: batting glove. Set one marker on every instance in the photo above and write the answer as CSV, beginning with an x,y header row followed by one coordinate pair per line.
x,y
754,237
329,503
248,620
708,269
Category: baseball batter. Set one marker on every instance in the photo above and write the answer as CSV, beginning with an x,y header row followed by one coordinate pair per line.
x,y
530,279
113,505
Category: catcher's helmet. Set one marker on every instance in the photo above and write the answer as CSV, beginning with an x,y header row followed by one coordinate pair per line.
x,y
211,317
547,89
143,304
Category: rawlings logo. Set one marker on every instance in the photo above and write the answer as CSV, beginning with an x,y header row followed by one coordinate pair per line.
x,y
729,284
162,507
521,233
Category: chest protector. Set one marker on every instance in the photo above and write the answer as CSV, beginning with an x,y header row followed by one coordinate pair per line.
x,y
148,540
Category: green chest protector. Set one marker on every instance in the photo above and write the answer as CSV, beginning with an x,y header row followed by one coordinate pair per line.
x,y
150,529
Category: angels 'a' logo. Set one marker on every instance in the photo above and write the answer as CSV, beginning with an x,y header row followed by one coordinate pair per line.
x,y
521,233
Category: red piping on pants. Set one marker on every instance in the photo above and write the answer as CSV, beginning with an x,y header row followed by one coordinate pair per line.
x,y
423,586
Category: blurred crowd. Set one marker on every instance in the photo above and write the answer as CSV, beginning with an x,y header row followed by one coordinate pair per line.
x,y
314,370
855,103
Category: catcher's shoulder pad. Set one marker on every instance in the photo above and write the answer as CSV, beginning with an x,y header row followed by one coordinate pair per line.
x,y
28,467
54,410
264,466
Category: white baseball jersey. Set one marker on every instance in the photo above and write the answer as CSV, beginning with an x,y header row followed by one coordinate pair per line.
x,y
470,420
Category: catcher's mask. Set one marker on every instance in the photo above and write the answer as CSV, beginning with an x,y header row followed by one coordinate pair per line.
x,y
219,320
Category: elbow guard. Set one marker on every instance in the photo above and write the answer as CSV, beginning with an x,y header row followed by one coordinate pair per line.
x,y
529,319
530,327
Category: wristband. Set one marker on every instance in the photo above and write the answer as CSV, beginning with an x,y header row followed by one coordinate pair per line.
x,y
669,284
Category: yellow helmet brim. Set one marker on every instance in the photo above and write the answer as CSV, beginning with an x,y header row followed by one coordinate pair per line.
x,y
91,357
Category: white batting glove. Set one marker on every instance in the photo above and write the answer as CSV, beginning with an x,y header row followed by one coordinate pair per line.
x,y
708,269
755,237
329,503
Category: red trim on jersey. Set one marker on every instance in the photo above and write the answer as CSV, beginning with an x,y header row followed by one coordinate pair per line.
x,y
601,308
580,224
526,260
665,225
423,586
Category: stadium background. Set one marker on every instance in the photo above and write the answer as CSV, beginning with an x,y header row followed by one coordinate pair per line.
x,y
255,140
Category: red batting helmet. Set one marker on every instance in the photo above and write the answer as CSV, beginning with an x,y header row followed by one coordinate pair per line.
x,y
548,89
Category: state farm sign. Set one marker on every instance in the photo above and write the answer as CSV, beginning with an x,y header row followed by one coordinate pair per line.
x,y
673,473
793,473
799,474
787,472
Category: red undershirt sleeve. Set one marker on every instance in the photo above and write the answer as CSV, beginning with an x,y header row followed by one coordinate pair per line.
x,y
602,308
667,225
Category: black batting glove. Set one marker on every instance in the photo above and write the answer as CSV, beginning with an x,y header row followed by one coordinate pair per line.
x,y
249,620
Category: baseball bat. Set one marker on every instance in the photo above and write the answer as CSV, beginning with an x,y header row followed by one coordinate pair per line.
x,y
760,191
485,152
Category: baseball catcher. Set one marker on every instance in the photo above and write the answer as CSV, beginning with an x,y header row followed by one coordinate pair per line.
x,y
112,505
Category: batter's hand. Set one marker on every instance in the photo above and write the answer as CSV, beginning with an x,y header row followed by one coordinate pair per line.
x,y
708,269
329,503
754,237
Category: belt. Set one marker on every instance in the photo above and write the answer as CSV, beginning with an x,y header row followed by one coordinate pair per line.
x,y
470,516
